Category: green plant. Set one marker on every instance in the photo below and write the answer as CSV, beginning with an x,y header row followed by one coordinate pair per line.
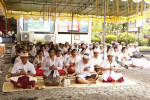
x,y
93,39
110,38
143,42
39,40
122,37
97,29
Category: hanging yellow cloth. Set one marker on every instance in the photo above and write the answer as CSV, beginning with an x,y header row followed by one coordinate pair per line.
x,y
3,9
131,5
107,5
117,6
142,5
137,7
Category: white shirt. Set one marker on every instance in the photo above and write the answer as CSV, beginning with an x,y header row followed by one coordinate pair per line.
x,y
121,55
48,64
71,60
37,61
61,60
13,53
1,33
108,73
64,50
13,47
46,54
33,51
17,60
106,64
116,54
129,52
120,48
79,68
96,61
28,67
135,49
66,57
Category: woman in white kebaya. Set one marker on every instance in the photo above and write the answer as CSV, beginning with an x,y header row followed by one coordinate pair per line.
x,y
82,52
60,59
72,60
51,67
116,54
66,56
128,51
124,58
38,62
42,47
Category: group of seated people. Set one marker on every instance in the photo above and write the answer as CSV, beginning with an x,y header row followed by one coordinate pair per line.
x,y
84,61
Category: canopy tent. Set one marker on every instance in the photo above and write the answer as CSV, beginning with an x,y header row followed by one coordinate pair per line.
x,y
103,10
116,10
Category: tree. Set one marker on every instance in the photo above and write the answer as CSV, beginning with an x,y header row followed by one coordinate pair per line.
x,y
97,29
145,29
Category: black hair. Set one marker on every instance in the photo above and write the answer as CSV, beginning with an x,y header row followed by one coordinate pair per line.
x,y
115,48
39,51
83,49
82,44
108,48
42,47
69,49
66,42
60,44
127,44
16,46
113,43
20,49
94,47
123,48
51,49
73,51
58,50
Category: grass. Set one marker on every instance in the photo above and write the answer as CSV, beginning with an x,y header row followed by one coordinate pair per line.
x,y
144,47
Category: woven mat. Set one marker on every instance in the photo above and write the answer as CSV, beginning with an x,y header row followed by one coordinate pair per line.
x,y
8,87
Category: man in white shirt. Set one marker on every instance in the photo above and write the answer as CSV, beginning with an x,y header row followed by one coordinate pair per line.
x,y
75,46
121,46
85,71
96,60
23,73
136,52
108,67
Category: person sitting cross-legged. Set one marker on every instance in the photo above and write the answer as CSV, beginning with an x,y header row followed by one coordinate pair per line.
x,y
38,63
51,66
85,71
23,73
108,67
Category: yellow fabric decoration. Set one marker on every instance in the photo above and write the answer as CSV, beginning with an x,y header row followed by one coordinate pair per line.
x,y
131,5
117,6
137,7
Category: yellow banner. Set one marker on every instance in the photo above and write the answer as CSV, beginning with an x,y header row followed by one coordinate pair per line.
x,y
2,9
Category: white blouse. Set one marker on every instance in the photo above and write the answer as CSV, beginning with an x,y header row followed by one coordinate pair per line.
x,y
123,55
61,60
96,61
37,61
71,60
80,66
47,63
